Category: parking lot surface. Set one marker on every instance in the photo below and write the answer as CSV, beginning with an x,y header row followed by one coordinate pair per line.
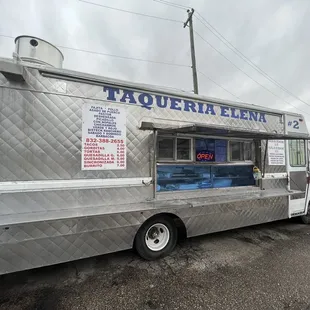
x,y
260,267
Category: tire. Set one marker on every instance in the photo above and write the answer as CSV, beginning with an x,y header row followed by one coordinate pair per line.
x,y
156,238
306,218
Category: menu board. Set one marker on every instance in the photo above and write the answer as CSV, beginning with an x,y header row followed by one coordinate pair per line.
x,y
276,153
103,137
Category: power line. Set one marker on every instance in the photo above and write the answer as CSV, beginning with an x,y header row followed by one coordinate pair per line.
x,y
239,53
246,73
172,64
167,63
212,29
137,59
116,56
219,85
176,5
132,12
182,7
5,36
124,57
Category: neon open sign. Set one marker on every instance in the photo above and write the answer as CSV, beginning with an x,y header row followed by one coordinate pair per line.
x,y
205,156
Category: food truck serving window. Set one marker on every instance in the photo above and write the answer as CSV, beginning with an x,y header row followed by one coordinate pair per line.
x,y
174,149
240,151
205,150
211,150
199,163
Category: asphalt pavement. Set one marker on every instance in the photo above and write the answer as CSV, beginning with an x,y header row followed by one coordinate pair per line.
x,y
260,267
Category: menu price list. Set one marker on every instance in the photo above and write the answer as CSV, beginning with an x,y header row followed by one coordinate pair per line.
x,y
276,153
120,158
104,138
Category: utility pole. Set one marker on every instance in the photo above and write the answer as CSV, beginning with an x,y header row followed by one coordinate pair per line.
x,y
189,22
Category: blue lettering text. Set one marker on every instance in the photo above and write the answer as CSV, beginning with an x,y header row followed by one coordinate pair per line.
x,y
128,94
253,116
111,92
243,114
200,108
174,104
161,104
210,109
146,100
262,118
233,113
224,112
189,105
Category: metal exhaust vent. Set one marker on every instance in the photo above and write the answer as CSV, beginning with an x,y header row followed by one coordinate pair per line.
x,y
35,50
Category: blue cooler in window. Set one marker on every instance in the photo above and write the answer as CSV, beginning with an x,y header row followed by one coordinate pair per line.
x,y
164,174
206,175
191,186
218,183
206,184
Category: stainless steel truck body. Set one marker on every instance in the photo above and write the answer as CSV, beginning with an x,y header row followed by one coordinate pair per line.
x,y
88,162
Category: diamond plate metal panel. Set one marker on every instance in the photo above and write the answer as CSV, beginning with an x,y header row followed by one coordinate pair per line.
x,y
277,183
298,196
15,203
39,244
274,123
42,252
64,227
41,129
270,169
40,133
40,138
221,193
214,218
32,245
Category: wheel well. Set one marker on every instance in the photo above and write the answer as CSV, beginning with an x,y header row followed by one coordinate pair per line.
x,y
182,232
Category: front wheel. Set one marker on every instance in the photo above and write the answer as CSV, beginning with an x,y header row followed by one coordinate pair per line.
x,y
156,238
306,218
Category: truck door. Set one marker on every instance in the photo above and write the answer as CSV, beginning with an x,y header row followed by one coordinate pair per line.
x,y
297,176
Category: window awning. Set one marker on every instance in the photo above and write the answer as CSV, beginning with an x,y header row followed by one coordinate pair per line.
x,y
205,129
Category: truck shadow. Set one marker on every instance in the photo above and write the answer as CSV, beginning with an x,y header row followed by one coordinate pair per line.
x,y
46,287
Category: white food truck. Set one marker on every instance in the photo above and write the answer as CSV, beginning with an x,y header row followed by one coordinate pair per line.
x,y
91,165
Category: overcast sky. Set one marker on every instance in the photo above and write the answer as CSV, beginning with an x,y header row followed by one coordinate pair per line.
x,y
273,34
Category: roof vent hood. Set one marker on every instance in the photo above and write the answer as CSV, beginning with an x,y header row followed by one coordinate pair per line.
x,y
35,50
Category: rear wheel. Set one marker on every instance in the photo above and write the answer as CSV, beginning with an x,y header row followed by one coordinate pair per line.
x,y
306,218
156,238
